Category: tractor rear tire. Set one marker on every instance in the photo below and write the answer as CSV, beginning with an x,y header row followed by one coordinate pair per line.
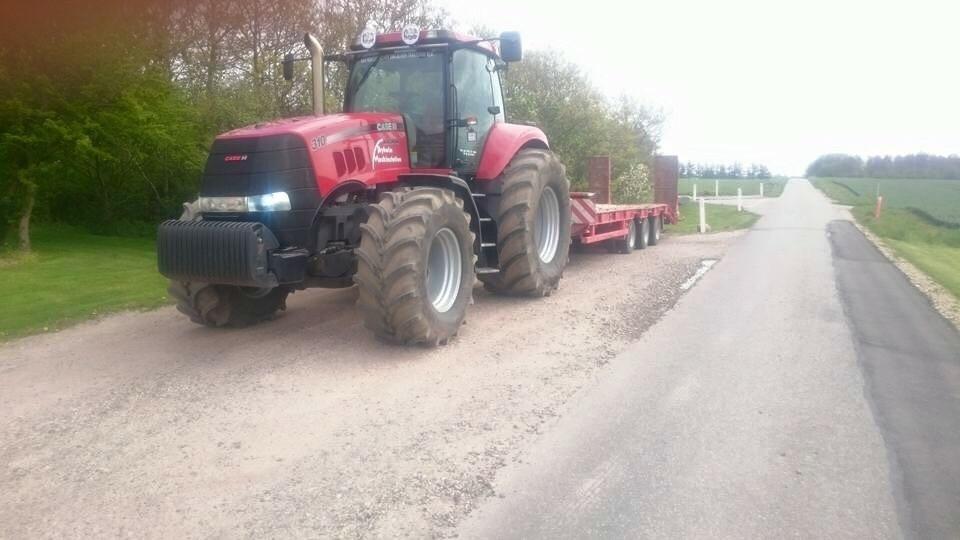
x,y
643,236
416,266
656,227
223,305
533,226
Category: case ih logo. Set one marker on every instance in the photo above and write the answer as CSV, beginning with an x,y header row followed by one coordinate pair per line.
x,y
234,157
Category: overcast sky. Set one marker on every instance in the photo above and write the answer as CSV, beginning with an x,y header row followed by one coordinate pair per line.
x,y
762,80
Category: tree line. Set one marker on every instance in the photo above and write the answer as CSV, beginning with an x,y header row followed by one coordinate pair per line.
x,y
907,166
107,109
714,170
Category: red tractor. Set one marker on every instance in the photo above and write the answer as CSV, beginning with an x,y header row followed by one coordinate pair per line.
x,y
416,188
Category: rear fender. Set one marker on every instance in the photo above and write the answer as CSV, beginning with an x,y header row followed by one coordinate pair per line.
x,y
503,142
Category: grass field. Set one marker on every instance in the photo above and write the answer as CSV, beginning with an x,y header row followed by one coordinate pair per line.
x,y
920,220
720,217
72,276
940,199
772,187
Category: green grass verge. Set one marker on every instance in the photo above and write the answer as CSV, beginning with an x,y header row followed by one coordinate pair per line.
x,y
931,246
720,217
942,263
772,187
72,276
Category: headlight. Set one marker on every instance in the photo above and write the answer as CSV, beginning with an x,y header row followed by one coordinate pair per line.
x,y
271,202
223,204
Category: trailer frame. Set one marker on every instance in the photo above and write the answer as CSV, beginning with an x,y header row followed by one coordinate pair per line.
x,y
593,223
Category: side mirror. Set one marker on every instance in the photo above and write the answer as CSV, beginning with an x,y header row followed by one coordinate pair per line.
x,y
511,49
288,66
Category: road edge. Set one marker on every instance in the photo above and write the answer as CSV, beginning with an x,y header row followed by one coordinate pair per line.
x,y
940,298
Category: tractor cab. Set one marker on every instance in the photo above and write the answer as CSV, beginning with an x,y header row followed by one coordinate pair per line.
x,y
445,85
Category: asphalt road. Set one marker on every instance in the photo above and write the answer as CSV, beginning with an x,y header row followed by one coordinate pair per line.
x,y
910,356
802,389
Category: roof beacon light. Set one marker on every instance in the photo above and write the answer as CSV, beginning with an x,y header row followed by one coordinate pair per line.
x,y
368,38
410,34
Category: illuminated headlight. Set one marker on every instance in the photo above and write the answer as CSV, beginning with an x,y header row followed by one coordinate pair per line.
x,y
271,202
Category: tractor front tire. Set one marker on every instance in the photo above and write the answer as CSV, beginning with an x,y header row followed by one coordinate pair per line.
x,y
533,226
227,305
415,266
223,305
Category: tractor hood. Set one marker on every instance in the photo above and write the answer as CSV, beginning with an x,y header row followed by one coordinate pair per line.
x,y
333,149
312,126
307,158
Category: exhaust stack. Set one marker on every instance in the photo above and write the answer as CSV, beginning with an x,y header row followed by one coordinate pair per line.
x,y
316,68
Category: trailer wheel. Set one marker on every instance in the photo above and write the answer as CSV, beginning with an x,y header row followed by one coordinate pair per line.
x,y
533,225
224,305
625,244
644,237
656,226
415,266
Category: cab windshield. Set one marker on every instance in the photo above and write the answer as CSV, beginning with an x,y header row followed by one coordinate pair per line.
x,y
408,83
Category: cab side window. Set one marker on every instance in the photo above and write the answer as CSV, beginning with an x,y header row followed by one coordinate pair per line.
x,y
497,94
473,77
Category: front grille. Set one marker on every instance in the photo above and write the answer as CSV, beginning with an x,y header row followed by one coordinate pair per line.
x,y
266,164
230,253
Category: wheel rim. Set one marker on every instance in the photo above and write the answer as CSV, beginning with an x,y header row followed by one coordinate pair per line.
x,y
547,232
444,270
632,234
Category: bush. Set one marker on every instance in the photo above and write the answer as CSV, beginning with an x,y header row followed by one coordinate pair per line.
x,y
633,186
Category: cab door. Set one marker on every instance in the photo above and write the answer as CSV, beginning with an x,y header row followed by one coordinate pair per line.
x,y
478,101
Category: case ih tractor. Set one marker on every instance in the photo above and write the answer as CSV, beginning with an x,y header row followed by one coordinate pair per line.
x,y
418,188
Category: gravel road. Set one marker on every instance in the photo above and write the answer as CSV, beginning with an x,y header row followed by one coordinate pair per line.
x,y
145,425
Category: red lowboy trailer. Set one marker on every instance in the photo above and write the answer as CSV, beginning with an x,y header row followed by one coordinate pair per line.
x,y
626,226
594,222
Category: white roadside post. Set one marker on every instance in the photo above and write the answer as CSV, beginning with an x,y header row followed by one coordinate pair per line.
x,y
716,189
761,189
694,192
739,200
703,216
